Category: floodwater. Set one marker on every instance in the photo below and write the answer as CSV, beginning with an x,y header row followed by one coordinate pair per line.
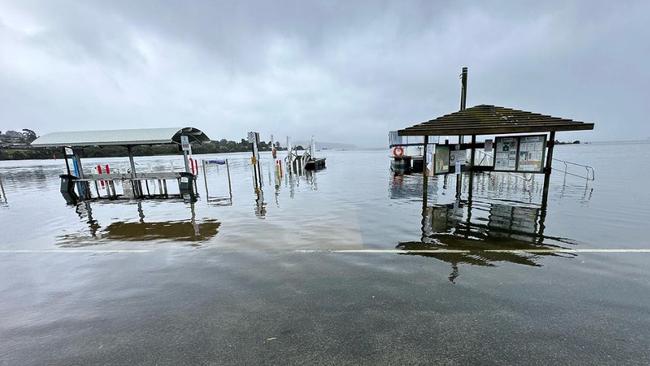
x,y
338,267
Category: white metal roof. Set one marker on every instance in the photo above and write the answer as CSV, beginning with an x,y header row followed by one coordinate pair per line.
x,y
132,137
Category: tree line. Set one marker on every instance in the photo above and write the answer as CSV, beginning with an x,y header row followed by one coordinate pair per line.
x,y
25,151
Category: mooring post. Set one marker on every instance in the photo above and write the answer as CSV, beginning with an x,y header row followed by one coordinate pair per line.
x,y
229,183
463,90
547,169
425,174
135,184
205,181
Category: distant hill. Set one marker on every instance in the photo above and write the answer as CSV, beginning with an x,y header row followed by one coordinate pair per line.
x,y
326,145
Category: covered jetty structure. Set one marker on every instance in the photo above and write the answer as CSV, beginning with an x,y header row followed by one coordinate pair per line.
x,y
73,143
523,141
492,229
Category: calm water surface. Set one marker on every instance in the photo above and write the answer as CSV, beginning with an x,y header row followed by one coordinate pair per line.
x,y
355,203
257,280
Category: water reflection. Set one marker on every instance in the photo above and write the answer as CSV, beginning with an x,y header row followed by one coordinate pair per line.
x,y
484,233
191,230
292,181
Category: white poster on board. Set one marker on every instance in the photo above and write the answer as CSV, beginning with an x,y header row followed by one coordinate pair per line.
x,y
531,153
441,160
488,146
457,156
505,155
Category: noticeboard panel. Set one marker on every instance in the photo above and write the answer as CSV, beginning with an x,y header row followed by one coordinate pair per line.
x,y
441,160
523,154
530,157
505,154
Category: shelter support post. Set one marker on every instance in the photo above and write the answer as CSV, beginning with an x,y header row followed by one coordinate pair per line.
x,y
547,169
459,176
425,174
471,170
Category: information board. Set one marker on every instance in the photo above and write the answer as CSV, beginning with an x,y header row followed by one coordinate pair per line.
x,y
520,154
505,154
531,153
441,160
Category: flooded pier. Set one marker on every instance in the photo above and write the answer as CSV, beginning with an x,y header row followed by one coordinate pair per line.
x,y
329,262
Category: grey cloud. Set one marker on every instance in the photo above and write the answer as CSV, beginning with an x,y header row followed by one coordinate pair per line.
x,y
343,71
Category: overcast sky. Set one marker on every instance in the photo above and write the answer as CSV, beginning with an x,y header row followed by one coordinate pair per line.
x,y
344,71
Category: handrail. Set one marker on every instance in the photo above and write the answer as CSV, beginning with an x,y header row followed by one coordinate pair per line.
x,y
591,173
2,191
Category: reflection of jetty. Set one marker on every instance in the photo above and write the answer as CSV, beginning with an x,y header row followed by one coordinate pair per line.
x,y
76,184
184,230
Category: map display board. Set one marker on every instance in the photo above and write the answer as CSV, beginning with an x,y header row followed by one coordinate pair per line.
x,y
520,154
531,153
505,154
441,160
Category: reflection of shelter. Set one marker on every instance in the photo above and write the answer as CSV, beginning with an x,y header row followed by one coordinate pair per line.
x,y
483,235
73,144
529,153
142,230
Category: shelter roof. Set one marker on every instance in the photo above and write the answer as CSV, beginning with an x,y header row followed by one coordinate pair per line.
x,y
127,137
492,120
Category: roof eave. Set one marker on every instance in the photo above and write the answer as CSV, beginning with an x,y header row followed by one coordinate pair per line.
x,y
437,131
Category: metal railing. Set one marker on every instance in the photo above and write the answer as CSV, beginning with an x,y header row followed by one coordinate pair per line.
x,y
590,172
3,195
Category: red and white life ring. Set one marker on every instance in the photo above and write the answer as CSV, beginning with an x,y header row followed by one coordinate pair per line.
x,y
398,151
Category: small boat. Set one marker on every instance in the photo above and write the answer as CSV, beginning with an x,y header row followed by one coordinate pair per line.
x,y
315,163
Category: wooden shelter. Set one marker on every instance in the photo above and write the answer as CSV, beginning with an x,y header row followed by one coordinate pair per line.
x,y
495,120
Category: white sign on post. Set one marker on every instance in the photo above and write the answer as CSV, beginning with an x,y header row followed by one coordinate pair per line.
x,y
488,146
251,137
185,144
458,156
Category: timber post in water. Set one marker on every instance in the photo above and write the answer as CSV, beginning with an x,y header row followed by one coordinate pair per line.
x,y
463,104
